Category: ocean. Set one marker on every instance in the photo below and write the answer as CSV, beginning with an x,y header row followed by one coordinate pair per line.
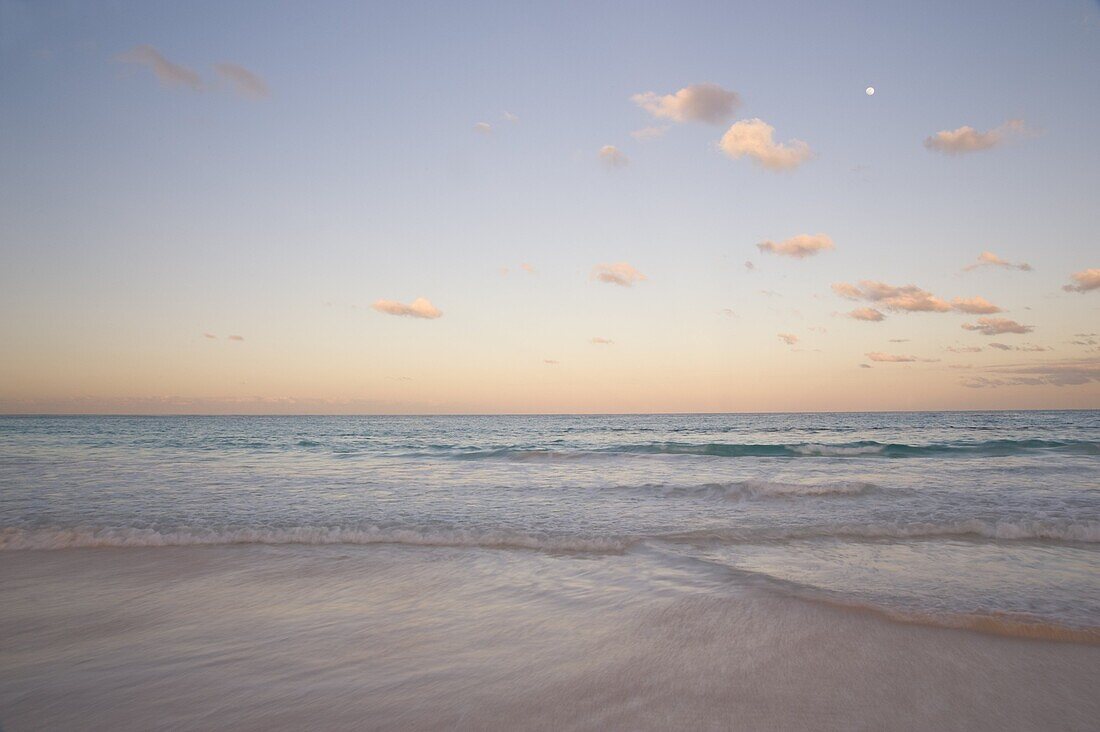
x,y
733,571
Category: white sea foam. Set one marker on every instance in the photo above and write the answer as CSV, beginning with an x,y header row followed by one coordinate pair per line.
x,y
757,489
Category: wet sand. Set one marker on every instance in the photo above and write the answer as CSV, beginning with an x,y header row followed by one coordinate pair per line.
x,y
432,638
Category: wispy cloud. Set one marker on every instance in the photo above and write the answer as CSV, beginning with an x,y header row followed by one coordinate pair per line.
x,y
551,361
868,314
799,247
749,265
209,335
1084,281
966,139
601,341
244,81
1068,372
695,103
236,338
789,338
754,138
418,308
989,259
895,358
619,273
649,133
483,128
1026,348
529,269
613,157
509,117
997,326
964,349
168,73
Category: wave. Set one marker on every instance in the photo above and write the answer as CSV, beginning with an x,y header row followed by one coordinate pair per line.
x,y
92,537
1085,532
990,448
753,489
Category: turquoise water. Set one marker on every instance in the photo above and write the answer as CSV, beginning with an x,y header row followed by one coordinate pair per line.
x,y
939,514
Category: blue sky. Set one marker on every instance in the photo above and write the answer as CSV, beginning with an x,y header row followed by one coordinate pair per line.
x,y
137,216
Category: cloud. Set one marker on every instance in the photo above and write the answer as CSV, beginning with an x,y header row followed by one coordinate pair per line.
x,y
789,338
649,133
894,358
868,314
613,157
904,298
244,81
529,269
418,308
550,361
1086,279
484,128
619,273
728,312
799,247
997,326
865,365
600,341
168,73
209,335
899,340
696,103
753,138
1027,348
1069,372
749,265
236,338
966,139
989,259
974,306
509,117
964,349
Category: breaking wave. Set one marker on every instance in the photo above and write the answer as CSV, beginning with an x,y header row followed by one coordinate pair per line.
x,y
990,448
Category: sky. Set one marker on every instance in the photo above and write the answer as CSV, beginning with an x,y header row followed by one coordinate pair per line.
x,y
591,207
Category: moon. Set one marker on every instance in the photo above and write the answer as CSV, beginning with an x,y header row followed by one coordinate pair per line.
x,y
870,91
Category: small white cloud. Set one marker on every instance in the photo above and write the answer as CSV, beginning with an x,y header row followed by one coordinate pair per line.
x,y
168,73
509,117
974,306
483,128
648,133
244,81
799,247
789,338
753,138
696,103
1084,281
903,298
418,308
966,139
868,314
613,157
619,273
997,326
989,259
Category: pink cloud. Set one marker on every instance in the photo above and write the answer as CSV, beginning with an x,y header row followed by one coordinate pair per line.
x,y
418,308
799,247
1084,281
997,326
619,273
